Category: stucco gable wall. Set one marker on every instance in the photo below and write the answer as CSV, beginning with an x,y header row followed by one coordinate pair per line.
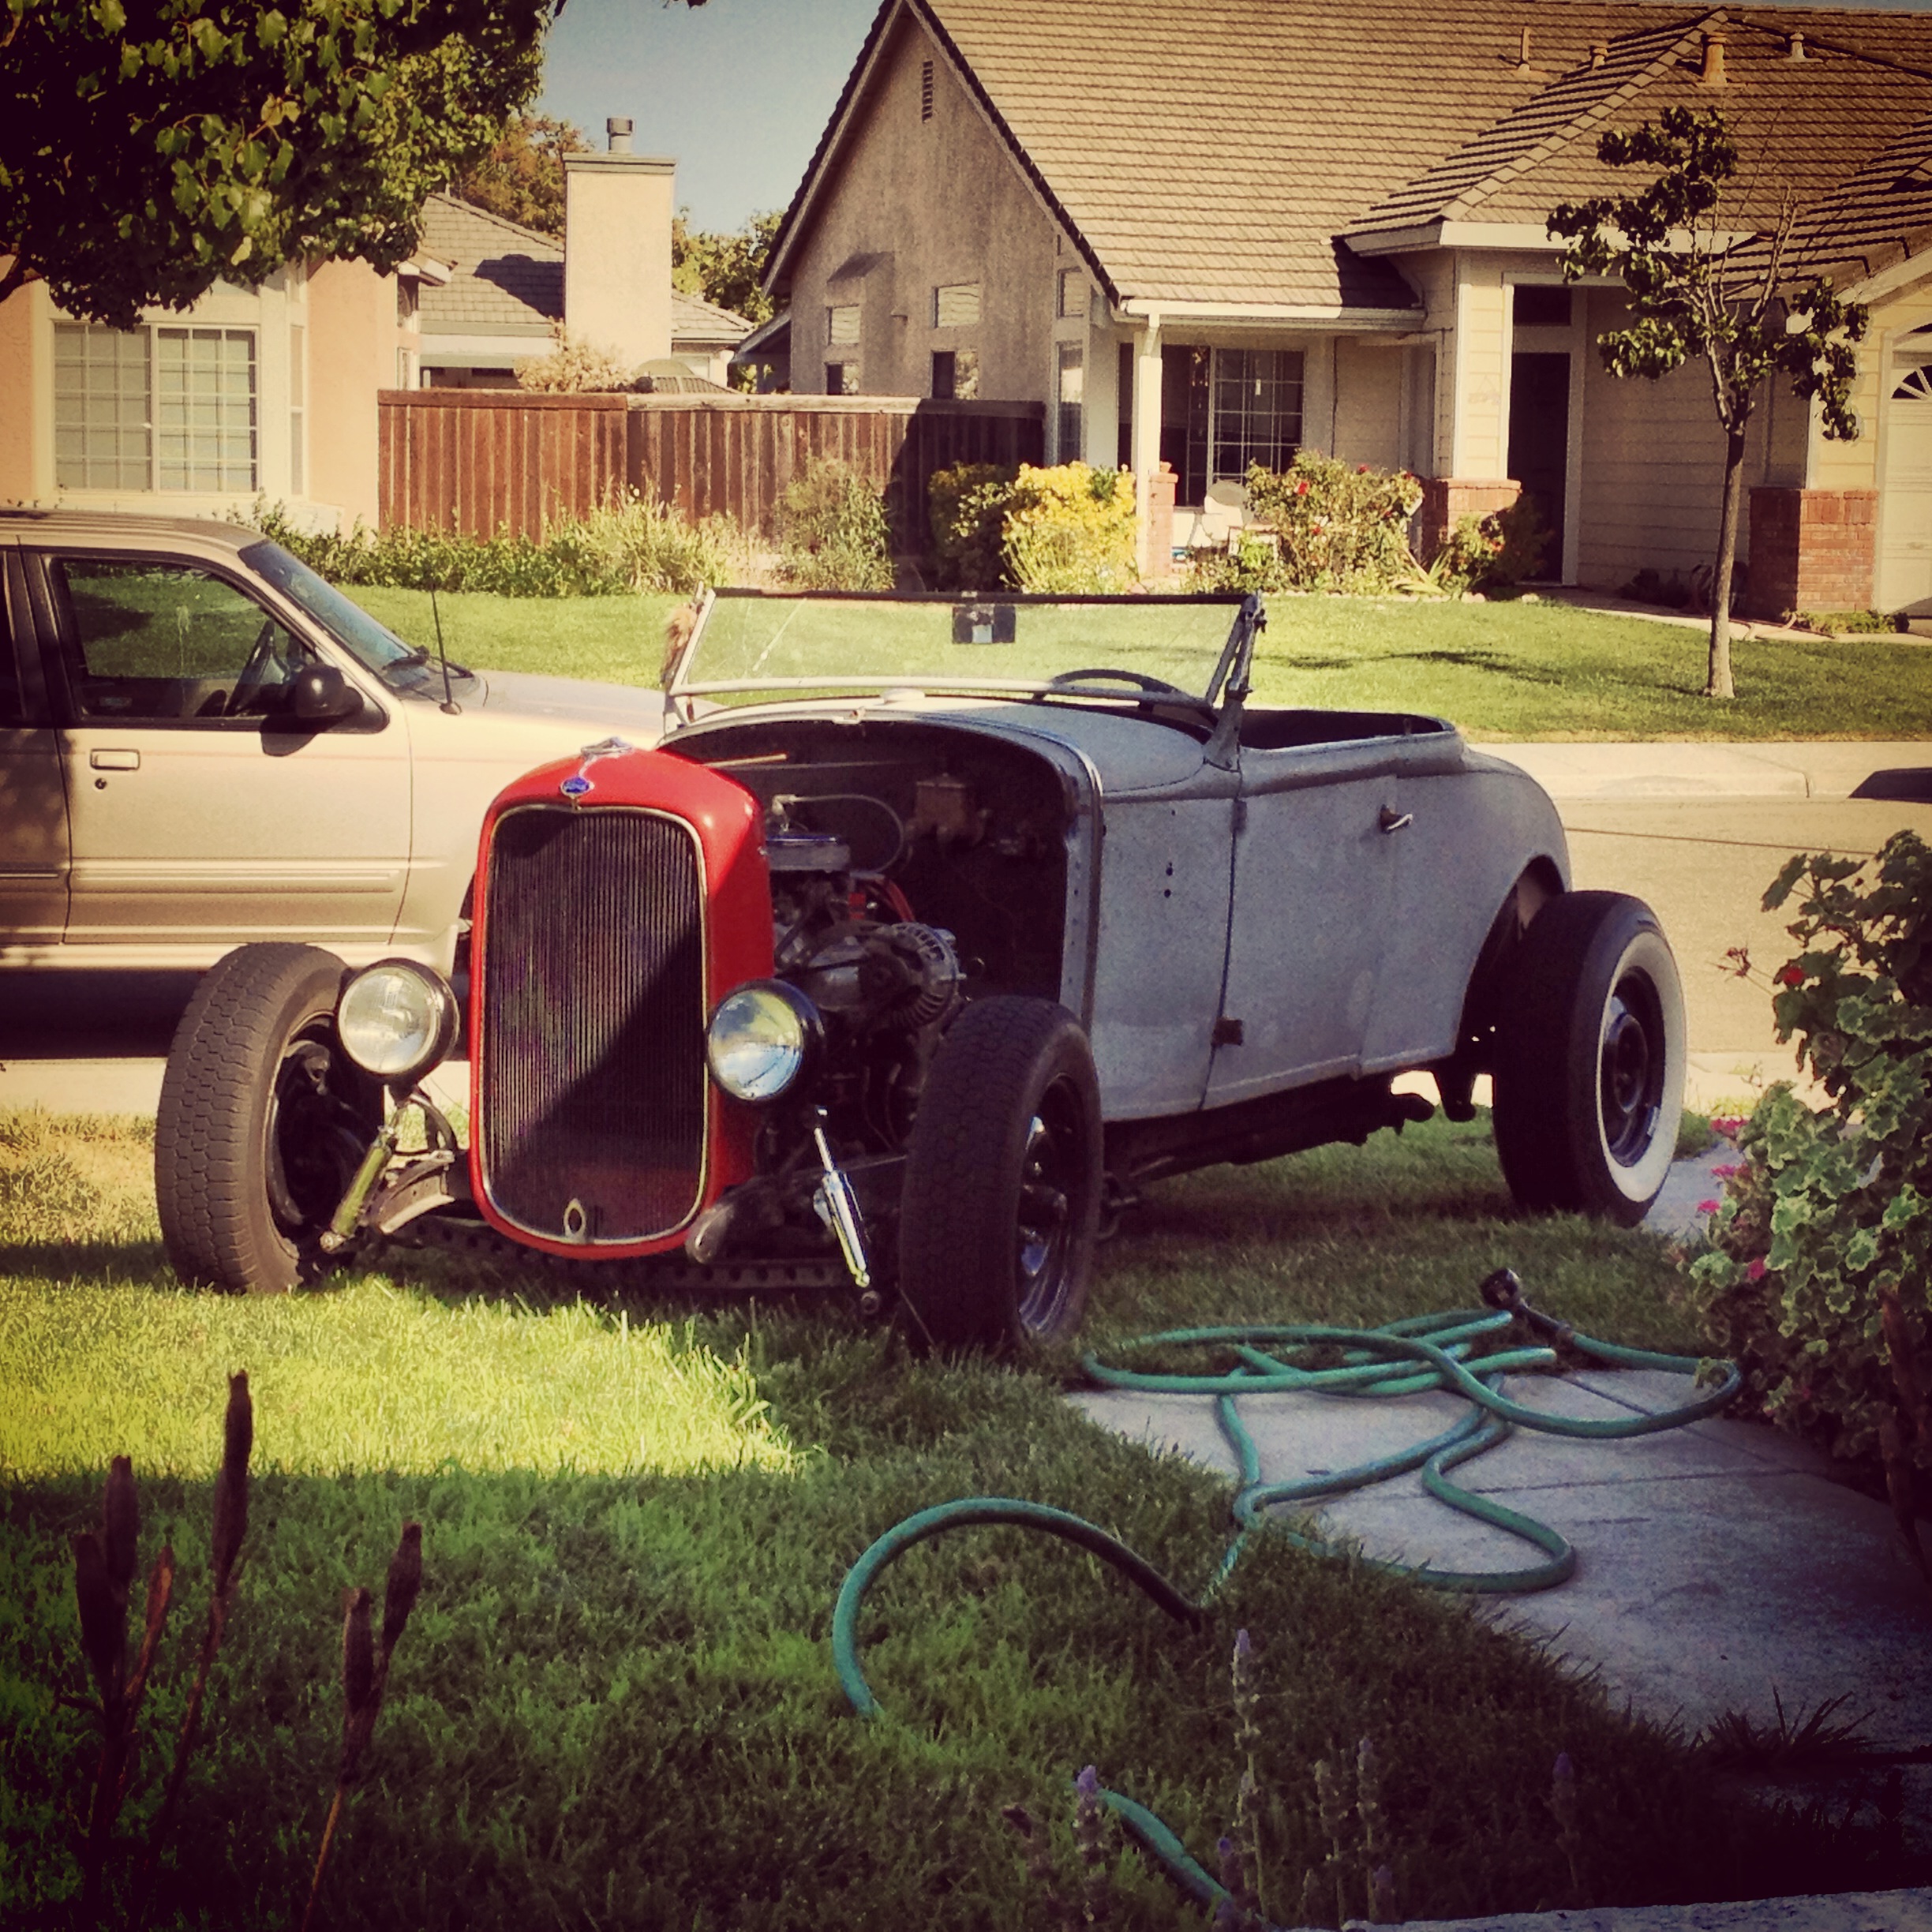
x,y
946,203
1654,458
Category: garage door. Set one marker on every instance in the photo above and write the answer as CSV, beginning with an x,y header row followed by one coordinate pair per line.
x,y
1905,531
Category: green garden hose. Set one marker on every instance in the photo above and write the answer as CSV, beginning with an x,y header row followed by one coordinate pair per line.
x,y
1400,1358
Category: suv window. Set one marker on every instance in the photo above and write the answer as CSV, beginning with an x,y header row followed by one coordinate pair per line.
x,y
152,642
12,703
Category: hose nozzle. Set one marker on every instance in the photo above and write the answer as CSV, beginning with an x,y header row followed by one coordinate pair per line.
x,y
1504,1289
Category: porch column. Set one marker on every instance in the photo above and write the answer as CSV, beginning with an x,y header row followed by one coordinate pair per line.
x,y
1147,428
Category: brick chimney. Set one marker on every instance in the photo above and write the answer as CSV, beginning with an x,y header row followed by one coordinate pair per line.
x,y
617,248
1713,73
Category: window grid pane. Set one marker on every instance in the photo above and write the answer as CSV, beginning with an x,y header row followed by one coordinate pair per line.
x,y
1257,410
205,385
101,408
956,306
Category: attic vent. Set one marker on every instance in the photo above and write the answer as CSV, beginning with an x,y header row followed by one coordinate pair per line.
x,y
1600,52
1796,50
1522,53
925,90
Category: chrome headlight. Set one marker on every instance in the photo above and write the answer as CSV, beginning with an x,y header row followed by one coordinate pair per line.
x,y
762,1039
396,1020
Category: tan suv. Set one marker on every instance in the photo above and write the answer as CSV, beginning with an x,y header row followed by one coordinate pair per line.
x,y
202,743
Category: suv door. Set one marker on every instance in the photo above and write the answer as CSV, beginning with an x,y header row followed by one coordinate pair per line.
x,y
33,800
202,813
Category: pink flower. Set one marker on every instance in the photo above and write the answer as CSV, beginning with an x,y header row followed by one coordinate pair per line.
x,y
1707,1207
1725,1173
1728,1126
1755,1271
1791,974
1362,469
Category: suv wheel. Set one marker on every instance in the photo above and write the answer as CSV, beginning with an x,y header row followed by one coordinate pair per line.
x,y
1002,1186
1590,1059
262,1122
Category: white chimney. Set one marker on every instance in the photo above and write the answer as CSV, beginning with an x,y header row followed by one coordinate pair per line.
x,y
617,248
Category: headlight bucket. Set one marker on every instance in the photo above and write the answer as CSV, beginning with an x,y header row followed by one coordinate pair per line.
x,y
762,1040
397,1020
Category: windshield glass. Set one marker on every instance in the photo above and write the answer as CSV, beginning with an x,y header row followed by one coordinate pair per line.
x,y
766,642
373,645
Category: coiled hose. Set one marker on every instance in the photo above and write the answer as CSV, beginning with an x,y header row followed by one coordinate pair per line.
x,y
1399,1358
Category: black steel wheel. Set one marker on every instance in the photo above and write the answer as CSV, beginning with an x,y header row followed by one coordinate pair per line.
x,y
262,1124
1002,1188
1590,1053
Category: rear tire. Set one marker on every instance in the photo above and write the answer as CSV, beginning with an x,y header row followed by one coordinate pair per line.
x,y
262,1122
1002,1187
1590,1071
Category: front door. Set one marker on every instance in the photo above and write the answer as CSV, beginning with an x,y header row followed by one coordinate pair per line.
x,y
1905,554
202,816
1539,444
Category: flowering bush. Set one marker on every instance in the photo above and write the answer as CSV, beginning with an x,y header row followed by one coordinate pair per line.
x,y
575,367
1342,527
1491,552
1819,1281
1067,530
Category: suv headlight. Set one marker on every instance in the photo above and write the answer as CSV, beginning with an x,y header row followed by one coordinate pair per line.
x,y
396,1020
762,1039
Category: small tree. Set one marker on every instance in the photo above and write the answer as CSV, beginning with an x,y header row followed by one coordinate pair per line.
x,y
1695,291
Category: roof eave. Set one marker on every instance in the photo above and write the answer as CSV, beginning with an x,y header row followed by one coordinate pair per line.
x,y
1333,316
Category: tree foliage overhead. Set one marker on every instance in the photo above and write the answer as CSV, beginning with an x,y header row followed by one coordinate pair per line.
x,y
1698,290
149,148
520,177
725,269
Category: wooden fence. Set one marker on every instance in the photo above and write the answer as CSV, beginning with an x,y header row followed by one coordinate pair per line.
x,y
482,460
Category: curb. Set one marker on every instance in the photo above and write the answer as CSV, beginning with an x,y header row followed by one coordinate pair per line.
x,y
1898,770
1909,1911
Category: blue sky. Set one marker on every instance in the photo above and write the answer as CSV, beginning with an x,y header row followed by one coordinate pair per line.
x,y
737,91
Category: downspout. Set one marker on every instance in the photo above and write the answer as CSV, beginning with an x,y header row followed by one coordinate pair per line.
x,y
1147,427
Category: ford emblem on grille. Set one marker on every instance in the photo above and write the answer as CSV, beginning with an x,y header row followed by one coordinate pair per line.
x,y
575,785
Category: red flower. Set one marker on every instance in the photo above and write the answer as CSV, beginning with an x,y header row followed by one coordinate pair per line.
x,y
1301,488
1707,1207
1789,975
1755,1271
1362,469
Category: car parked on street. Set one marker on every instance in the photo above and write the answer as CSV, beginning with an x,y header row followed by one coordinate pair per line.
x,y
202,743
932,931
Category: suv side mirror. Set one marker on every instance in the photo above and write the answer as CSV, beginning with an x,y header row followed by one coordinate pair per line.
x,y
322,695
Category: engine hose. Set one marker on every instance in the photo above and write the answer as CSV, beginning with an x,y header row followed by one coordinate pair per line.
x,y
1419,1353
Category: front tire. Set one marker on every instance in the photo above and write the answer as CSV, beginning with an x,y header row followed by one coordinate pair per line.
x,y
1002,1188
262,1122
1589,1076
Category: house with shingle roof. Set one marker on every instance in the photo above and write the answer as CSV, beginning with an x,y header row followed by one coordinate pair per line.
x,y
510,288
1324,226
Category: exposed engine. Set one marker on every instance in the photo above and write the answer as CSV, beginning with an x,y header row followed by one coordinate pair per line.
x,y
885,983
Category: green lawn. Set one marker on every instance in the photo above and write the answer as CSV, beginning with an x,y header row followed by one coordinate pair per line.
x,y
615,1705
1506,670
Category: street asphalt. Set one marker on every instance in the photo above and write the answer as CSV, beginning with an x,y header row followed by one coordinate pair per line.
x,y
1717,1565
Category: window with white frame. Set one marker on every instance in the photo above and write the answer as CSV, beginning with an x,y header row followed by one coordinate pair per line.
x,y
298,405
1222,409
154,409
1069,445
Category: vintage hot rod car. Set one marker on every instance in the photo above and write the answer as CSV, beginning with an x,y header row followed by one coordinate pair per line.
x,y
931,931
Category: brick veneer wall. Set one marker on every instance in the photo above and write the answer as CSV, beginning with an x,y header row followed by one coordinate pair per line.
x,y
1812,549
1445,499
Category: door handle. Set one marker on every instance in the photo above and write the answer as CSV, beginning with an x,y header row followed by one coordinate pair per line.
x,y
1390,820
115,760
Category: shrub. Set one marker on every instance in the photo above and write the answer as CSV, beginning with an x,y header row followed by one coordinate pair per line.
x,y
575,367
967,505
1343,526
632,545
1492,552
832,525
1820,1278
1070,531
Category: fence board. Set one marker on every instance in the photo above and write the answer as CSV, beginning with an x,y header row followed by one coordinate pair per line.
x,y
483,460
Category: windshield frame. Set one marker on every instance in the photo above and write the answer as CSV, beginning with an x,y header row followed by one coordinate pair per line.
x,y
679,686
